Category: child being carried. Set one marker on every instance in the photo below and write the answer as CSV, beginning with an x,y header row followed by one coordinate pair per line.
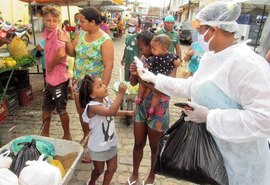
x,y
162,62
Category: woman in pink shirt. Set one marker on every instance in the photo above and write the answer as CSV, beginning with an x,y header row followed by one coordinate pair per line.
x,y
104,26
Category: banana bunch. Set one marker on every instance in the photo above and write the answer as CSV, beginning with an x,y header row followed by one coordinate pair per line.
x,y
7,63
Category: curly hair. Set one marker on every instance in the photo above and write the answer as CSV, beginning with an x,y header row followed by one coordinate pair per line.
x,y
86,90
49,9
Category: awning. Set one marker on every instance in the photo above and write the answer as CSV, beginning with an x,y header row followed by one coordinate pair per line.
x,y
113,8
59,2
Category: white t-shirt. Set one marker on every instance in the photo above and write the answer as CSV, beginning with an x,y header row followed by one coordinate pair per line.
x,y
103,135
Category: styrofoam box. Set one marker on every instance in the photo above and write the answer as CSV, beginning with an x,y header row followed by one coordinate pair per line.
x,y
62,147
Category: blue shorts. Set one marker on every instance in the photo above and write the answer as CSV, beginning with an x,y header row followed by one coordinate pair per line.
x,y
160,120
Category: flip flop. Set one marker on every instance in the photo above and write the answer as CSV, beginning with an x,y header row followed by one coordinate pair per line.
x,y
131,183
88,181
86,159
149,183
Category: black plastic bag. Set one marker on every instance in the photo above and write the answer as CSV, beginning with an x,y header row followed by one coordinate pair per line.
x,y
188,151
28,152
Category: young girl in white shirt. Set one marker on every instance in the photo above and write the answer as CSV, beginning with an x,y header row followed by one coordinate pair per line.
x,y
98,114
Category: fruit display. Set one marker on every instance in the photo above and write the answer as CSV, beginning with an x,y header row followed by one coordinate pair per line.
x,y
18,62
8,62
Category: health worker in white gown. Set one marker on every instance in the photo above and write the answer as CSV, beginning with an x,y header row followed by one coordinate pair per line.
x,y
231,93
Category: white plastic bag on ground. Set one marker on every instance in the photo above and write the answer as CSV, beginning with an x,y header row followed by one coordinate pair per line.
x,y
7,177
5,161
40,173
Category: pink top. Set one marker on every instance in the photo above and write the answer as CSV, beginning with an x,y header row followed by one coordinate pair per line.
x,y
104,27
59,74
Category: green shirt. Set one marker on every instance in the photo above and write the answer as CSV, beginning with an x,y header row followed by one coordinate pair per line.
x,y
174,36
131,48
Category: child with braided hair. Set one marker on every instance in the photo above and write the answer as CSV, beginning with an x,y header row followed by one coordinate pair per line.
x,y
98,114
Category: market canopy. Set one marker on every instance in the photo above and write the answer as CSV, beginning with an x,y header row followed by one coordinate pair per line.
x,y
59,2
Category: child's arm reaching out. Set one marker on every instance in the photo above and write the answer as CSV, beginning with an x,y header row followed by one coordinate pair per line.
x,y
111,111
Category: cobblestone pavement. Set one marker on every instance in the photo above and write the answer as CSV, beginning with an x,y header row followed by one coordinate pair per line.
x,y
27,120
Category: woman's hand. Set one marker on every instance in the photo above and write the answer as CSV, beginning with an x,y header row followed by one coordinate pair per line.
x,y
63,36
146,75
133,69
198,115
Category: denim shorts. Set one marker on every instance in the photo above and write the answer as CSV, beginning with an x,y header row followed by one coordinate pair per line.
x,y
160,120
55,97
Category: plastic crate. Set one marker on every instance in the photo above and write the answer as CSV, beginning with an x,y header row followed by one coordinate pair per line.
x,y
62,147
12,102
25,95
3,112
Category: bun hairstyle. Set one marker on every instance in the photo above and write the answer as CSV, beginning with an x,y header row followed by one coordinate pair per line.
x,y
86,90
91,13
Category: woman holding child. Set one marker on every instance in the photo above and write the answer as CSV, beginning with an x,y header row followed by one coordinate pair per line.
x,y
147,125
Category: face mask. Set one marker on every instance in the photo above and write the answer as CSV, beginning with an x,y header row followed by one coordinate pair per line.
x,y
131,29
205,45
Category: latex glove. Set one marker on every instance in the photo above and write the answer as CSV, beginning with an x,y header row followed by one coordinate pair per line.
x,y
146,75
198,115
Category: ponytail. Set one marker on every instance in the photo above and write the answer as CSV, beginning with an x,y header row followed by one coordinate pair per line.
x,y
86,90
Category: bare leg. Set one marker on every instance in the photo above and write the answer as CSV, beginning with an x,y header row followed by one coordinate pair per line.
x,y
111,168
97,171
154,138
64,118
46,129
155,99
140,133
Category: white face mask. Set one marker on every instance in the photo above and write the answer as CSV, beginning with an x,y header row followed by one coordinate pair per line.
x,y
205,45
131,29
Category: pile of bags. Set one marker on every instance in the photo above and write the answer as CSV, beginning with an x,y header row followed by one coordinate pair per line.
x,y
30,162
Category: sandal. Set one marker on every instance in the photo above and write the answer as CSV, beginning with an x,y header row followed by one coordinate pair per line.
x,y
88,181
86,159
143,183
131,183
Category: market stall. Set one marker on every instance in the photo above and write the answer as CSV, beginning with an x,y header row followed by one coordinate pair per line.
x,y
14,77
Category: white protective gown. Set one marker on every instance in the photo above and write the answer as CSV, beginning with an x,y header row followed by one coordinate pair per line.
x,y
235,85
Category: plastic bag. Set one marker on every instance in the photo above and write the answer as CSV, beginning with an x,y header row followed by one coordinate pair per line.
x,y
47,174
188,151
7,177
5,160
17,48
44,147
28,152
58,165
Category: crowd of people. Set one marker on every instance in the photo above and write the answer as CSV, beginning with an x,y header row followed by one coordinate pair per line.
x,y
228,88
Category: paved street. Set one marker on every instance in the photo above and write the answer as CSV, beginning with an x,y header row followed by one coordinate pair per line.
x,y
27,121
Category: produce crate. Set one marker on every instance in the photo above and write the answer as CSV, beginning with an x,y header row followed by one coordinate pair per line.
x,y
62,148
12,99
3,112
25,95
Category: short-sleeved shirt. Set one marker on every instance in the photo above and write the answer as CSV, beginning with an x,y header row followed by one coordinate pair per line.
x,y
89,57
131,48
103,135
42,45
59,73
162,64
174,36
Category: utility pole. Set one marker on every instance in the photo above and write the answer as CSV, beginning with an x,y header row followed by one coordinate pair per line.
x,y
189,3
